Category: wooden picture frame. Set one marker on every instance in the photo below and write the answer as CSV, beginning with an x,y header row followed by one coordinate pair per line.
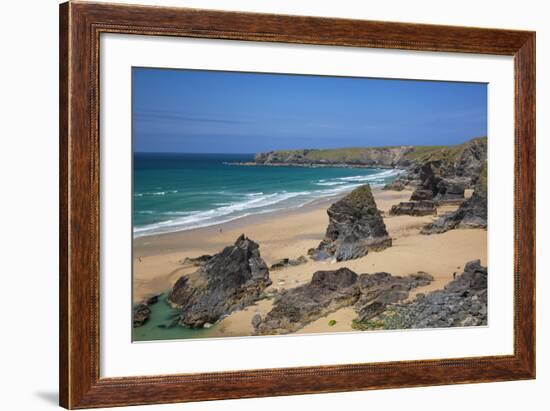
x,y
80,27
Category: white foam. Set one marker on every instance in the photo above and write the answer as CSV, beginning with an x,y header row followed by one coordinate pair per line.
x,y
258,203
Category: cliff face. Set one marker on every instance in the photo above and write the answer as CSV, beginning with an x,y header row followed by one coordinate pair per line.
x,y
367,157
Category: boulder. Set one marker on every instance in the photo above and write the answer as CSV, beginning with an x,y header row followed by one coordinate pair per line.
x,y
256,320
231,280
327,292
140,314
141,311
287,262
414,208
355,227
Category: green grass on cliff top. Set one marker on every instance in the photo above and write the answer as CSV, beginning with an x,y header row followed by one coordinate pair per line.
x,y
422,153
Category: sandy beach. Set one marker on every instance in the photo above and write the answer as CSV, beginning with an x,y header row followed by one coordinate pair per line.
x,y
289,234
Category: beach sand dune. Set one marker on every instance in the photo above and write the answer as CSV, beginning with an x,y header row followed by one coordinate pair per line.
x,y
289,234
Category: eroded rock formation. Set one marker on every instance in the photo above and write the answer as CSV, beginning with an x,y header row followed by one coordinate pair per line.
x,y
329,291
472,213
293,309
462,303
355,228
230,280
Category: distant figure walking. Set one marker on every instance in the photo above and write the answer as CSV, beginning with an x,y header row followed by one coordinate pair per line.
x,y
221,230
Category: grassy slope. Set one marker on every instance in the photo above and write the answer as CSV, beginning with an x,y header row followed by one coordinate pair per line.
x,y
419,153
449,153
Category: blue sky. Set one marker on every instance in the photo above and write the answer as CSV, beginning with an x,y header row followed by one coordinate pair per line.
x,y
232,112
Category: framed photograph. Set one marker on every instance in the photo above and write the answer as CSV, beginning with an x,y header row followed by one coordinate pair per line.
x,y
259,205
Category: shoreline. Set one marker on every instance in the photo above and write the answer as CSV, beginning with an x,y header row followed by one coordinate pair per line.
x,y
148,244
330,194
252,218
289,234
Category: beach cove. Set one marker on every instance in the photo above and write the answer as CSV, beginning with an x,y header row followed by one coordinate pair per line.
x,y
290,234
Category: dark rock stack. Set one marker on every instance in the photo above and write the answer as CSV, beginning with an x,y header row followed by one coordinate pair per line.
x,y
414,208
293,309
140,314
232,279
355,228
472,213
462,303
438,182
429,176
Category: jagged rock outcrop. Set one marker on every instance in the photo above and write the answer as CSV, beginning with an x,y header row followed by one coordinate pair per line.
x,y
472,160
414,208
140,314
472,213
355,228
437,182
462,303
230,280
288,262
327,292
380,289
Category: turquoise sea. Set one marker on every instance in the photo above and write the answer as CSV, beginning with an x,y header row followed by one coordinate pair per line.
x,y
174,192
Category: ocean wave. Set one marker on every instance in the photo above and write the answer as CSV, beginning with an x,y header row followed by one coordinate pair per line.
x,y
330,183
247,204
155,193
254,204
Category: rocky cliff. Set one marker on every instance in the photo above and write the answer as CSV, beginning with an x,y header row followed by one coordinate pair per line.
x,y
462,160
